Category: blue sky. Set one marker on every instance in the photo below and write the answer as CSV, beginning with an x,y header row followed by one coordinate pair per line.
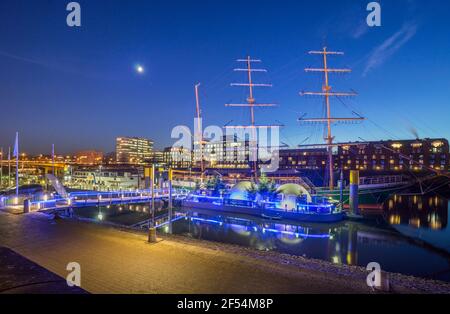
x,y
77,87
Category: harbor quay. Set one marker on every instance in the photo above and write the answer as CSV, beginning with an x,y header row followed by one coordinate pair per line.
x,y
114,260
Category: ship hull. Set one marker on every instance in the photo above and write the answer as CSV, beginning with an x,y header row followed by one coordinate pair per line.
x,y
265,213
366,195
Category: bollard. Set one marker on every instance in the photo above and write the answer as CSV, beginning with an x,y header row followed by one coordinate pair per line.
x,y
354,189
152,235
26,206
385,283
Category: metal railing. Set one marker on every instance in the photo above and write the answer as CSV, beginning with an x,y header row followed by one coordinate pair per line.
x,y
382,180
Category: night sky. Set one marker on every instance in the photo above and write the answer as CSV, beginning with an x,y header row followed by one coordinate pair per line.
x,y
78,87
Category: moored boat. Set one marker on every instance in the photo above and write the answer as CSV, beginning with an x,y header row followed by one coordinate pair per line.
x,y
289,206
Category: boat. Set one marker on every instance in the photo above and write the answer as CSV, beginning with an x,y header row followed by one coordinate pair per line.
x,y
288,204
276,217
373,190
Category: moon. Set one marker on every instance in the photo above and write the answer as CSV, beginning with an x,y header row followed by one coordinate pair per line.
x,y
140,69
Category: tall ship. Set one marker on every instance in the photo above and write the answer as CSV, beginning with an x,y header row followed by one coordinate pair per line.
x,y
297,199
372,190
258,196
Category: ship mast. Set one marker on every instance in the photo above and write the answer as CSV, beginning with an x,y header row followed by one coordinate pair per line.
x,y
327,93
199,136
251,104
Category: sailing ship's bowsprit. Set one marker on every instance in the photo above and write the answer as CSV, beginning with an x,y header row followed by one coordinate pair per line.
x,y
328,93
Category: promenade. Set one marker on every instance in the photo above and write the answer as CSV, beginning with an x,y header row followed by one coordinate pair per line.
x,y
116,261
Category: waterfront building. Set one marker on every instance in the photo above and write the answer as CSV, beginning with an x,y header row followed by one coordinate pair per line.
x,y
89,157
177,157
388,156
377,156
398,155
157,157
105,179
133,150
228,153
300,159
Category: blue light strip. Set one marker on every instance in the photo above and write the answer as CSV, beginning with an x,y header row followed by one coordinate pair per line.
x,y
296,234
206,220
106,200
327,206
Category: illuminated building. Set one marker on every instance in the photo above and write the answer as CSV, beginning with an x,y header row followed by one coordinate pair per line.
x,y
401,155
392,156
312,159
229,153
105,179
133,150
89,157
157,157
177,157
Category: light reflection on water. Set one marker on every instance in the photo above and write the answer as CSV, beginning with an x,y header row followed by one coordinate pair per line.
x,y
424,218
381,239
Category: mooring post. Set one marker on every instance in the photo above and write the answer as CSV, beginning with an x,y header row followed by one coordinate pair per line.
x,y
354,189
341,189
170,200
26,206
151,224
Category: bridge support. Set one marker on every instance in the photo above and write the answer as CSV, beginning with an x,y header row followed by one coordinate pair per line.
x,y
354,189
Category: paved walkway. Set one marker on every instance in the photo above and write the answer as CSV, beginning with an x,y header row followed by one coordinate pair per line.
x,y
115,261
20,275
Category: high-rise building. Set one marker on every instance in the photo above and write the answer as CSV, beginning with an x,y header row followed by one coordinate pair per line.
x,y
133,150
178,157
229,152
157,157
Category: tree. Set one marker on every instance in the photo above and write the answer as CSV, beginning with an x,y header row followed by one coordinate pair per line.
x,y
266,187
216,185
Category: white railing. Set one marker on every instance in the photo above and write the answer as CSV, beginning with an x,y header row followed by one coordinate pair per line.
x,y
382,180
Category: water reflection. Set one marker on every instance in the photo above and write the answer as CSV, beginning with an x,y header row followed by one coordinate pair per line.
x,y
416,211
421,217
122,214
347,242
